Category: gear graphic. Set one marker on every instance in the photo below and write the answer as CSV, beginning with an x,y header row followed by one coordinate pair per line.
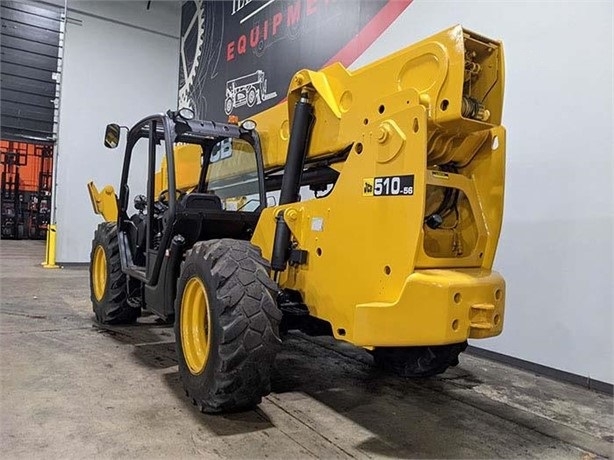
x,y
188,69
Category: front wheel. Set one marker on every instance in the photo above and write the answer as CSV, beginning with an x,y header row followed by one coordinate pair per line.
x,y
228,105
411,362
108,284
226,325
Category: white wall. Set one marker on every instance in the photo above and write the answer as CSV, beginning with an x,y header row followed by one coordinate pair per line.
x,y
556,248
121,63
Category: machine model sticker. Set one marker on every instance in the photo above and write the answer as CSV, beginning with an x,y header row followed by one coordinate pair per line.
x,y
247,90
388,186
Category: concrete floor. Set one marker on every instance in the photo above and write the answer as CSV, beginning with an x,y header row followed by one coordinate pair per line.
x,y
71,390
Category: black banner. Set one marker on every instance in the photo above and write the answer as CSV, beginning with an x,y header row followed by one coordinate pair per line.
x,y
237,57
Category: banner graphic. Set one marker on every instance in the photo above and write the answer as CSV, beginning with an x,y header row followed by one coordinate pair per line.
x,y
237,57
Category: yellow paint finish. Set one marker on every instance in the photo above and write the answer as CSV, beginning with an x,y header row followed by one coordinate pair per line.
x,y
50,247
361,235
430,73
99,273
374,270
187,169
104,202
195,325
435,307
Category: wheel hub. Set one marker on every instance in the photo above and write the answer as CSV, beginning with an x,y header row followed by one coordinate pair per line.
x,y
99,273
195,325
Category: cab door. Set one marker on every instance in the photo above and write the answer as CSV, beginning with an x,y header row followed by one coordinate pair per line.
x,y
143,212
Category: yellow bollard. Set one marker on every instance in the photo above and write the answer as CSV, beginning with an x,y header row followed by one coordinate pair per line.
x,y
50,250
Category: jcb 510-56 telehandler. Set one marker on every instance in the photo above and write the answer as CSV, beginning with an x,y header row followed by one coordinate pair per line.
x,y
400,166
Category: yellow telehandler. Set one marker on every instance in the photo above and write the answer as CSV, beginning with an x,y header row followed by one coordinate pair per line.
x,y
367,207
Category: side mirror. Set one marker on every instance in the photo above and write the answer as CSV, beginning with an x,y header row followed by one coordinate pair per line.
x,y
111,136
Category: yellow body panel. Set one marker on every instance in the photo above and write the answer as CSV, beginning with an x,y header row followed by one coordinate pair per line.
x,y
374,270
430,73
435,307
187,170
104,202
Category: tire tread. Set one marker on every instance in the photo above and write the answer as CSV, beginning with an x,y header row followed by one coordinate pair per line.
x,y
114,307
249,324
419,361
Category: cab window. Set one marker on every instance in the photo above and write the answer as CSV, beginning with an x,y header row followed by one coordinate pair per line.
x,y
232,175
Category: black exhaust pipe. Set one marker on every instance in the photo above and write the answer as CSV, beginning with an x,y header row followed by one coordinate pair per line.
x,y
291,182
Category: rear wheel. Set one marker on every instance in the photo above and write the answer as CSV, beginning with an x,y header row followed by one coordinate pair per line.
x,y
226,325
251,97
108,285
418,361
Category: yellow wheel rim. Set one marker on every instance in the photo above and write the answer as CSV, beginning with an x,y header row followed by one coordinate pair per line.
x,y
99,273
195,325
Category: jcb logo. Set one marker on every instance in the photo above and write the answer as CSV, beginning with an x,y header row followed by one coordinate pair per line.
x,y
367,189
221,150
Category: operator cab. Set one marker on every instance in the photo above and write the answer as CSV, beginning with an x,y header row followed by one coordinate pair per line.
x,y
184,180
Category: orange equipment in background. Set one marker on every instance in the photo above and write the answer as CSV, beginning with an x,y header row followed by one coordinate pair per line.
x,y
25,189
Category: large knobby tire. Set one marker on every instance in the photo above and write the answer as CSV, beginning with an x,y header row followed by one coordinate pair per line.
x,y
413,362
108,285
226,325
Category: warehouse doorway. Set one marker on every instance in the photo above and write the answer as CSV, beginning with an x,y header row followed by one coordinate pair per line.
x,y
31,43
25,189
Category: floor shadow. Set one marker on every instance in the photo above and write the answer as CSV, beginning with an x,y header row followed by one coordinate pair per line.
x,y
423,418
147,329
220,424
418,418
153,342
153,345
